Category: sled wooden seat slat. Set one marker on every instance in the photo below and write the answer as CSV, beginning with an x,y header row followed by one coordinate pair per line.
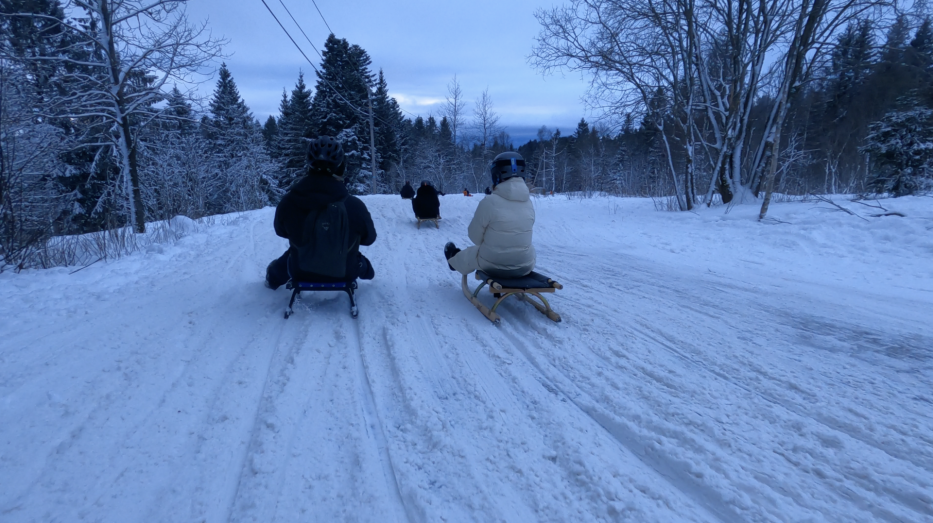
x,y
533,284
435,220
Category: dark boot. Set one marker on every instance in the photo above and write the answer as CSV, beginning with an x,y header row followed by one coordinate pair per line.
x,y
450,250
366,269
277,272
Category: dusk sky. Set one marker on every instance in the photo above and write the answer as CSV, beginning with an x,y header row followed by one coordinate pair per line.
x,y
419,45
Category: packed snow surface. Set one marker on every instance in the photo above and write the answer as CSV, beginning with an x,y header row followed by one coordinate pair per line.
x,y
709,367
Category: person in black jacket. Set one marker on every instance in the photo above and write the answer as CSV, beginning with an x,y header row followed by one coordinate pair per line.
x,y
408,192
322,185
426,204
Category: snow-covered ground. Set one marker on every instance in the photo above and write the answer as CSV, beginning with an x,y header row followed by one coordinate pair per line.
x,y
709,368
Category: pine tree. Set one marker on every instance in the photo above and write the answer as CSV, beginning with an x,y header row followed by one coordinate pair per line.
x,y
341,93
173,156
901,146
239,161
279,146
921,58
30,200
295,126
179,113
227,109
35,39
270,133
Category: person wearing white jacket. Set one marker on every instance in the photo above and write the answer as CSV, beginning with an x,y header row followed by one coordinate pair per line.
x,y
501,228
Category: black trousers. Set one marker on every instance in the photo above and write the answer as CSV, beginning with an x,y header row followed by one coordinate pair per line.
x,y
278,272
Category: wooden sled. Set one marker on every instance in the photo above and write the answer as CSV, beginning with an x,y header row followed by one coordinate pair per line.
x,y
435,220
533,284
304,286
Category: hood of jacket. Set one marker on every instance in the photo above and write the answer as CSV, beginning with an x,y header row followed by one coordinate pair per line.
x,y
317,191
513,189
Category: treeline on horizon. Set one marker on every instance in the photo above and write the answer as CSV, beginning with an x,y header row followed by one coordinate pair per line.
x,y
96,135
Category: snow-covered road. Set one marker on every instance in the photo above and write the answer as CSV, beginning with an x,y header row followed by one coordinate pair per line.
x,y
708,368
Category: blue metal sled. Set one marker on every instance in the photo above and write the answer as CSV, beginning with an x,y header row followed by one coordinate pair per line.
x,y
304,286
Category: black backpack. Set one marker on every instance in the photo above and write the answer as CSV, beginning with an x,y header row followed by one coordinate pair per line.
x,y
325,241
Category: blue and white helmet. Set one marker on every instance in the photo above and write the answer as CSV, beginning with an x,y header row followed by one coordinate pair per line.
x,y
507,165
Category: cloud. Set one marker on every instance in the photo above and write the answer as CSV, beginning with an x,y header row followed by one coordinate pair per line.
x,y
415,100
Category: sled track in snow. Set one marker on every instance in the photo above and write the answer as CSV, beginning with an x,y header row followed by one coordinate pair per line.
x,y
263,404
702,495
374,423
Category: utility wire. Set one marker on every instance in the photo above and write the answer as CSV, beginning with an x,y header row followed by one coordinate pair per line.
x,y
321,76
302,30
322,16
329,29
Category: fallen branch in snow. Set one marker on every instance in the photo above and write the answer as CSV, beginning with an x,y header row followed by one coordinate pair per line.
x,y
841,208
893,213
86,266
774,220
876,206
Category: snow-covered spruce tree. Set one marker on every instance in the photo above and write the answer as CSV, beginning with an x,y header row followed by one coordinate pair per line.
x,y
30,200
339,107
901,148
270,133
294,129
388,123
174,168
430,157
132,50
244,172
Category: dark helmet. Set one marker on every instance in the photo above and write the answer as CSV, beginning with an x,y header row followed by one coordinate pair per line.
x,y
505,166
325,153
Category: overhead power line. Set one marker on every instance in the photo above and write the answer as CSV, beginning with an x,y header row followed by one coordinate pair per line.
x,y
329,29
322,16
320,75
302,30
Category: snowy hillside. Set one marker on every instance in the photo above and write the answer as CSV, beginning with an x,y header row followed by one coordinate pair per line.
x,y
708,368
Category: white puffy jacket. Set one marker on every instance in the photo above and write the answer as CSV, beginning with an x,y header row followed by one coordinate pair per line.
x,y
502,227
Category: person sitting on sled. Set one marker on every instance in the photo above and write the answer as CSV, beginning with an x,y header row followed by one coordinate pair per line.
x,y
501,227
408,192
322,186
466,192
426,204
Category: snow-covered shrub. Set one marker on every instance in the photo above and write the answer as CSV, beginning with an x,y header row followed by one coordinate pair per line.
x,y
901,148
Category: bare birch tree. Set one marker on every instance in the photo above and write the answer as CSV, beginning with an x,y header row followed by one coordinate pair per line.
x,y
128,53
709,57
485,123
454,108
816,24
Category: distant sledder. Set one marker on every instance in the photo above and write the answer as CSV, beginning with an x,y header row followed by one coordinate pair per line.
x,y
407,192
426,205
503,256
325,228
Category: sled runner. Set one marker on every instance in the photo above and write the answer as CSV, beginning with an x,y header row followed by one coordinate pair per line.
x,y
303,286
435,220
533,284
